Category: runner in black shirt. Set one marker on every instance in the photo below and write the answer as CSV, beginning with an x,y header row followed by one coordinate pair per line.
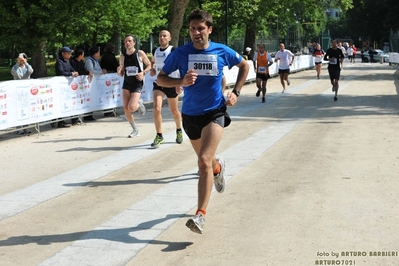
x,y
335,58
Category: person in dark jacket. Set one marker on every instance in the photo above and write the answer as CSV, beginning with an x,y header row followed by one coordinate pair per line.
x,y
63,68
78,62
109,64
371,54
108,59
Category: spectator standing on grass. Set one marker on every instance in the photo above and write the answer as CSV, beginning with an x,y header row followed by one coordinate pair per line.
x,y
21,70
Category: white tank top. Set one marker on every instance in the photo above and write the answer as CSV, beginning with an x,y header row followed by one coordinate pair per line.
x,y
159,57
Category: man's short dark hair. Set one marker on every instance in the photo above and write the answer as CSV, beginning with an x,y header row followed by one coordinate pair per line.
x,y
78,52
109,48
201,15
131,35
93,50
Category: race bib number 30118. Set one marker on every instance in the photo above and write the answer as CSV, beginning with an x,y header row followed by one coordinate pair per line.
x,y
203,64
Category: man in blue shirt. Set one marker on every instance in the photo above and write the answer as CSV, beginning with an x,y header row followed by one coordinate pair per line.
x,y
200,64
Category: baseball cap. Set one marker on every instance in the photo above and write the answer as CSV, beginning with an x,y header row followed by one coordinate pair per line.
x,y
248,49
66,49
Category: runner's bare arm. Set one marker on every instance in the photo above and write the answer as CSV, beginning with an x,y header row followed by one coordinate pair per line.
x,y
166,81
145,60
243,69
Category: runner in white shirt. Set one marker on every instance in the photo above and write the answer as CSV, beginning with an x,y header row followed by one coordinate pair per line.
x,y
349,52
286,58
159,92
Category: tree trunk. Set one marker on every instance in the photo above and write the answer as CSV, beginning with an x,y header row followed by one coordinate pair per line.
x,y
39,61
116,39
250,35
178,8
94,40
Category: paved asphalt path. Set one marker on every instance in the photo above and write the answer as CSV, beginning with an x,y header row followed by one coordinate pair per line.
x,y
310,181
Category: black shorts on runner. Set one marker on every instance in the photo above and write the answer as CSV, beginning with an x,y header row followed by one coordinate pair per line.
x,y
132,90
334,73
318,63
132,87
193,125
169,92
262,76
283,71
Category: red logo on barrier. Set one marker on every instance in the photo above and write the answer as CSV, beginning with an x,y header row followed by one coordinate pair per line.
x,y
74,86
34,90
108,82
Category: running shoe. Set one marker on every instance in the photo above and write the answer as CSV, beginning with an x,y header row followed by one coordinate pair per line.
x,y
258,93
142,109
283,90
179,137
23,131
335,98
263,100
196,223
288,82
219,182
157,142
135,133
63,124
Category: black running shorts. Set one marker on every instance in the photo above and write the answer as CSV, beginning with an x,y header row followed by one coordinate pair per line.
x,y
193,125
169,92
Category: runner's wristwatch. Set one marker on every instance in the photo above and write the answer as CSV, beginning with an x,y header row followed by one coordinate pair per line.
x,y
236,92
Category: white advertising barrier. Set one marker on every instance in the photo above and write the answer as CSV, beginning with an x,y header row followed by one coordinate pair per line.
x,y
301,62
393,58
24,102
146,93
32,101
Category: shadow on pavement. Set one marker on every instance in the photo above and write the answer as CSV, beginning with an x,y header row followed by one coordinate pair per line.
x,y
121,235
